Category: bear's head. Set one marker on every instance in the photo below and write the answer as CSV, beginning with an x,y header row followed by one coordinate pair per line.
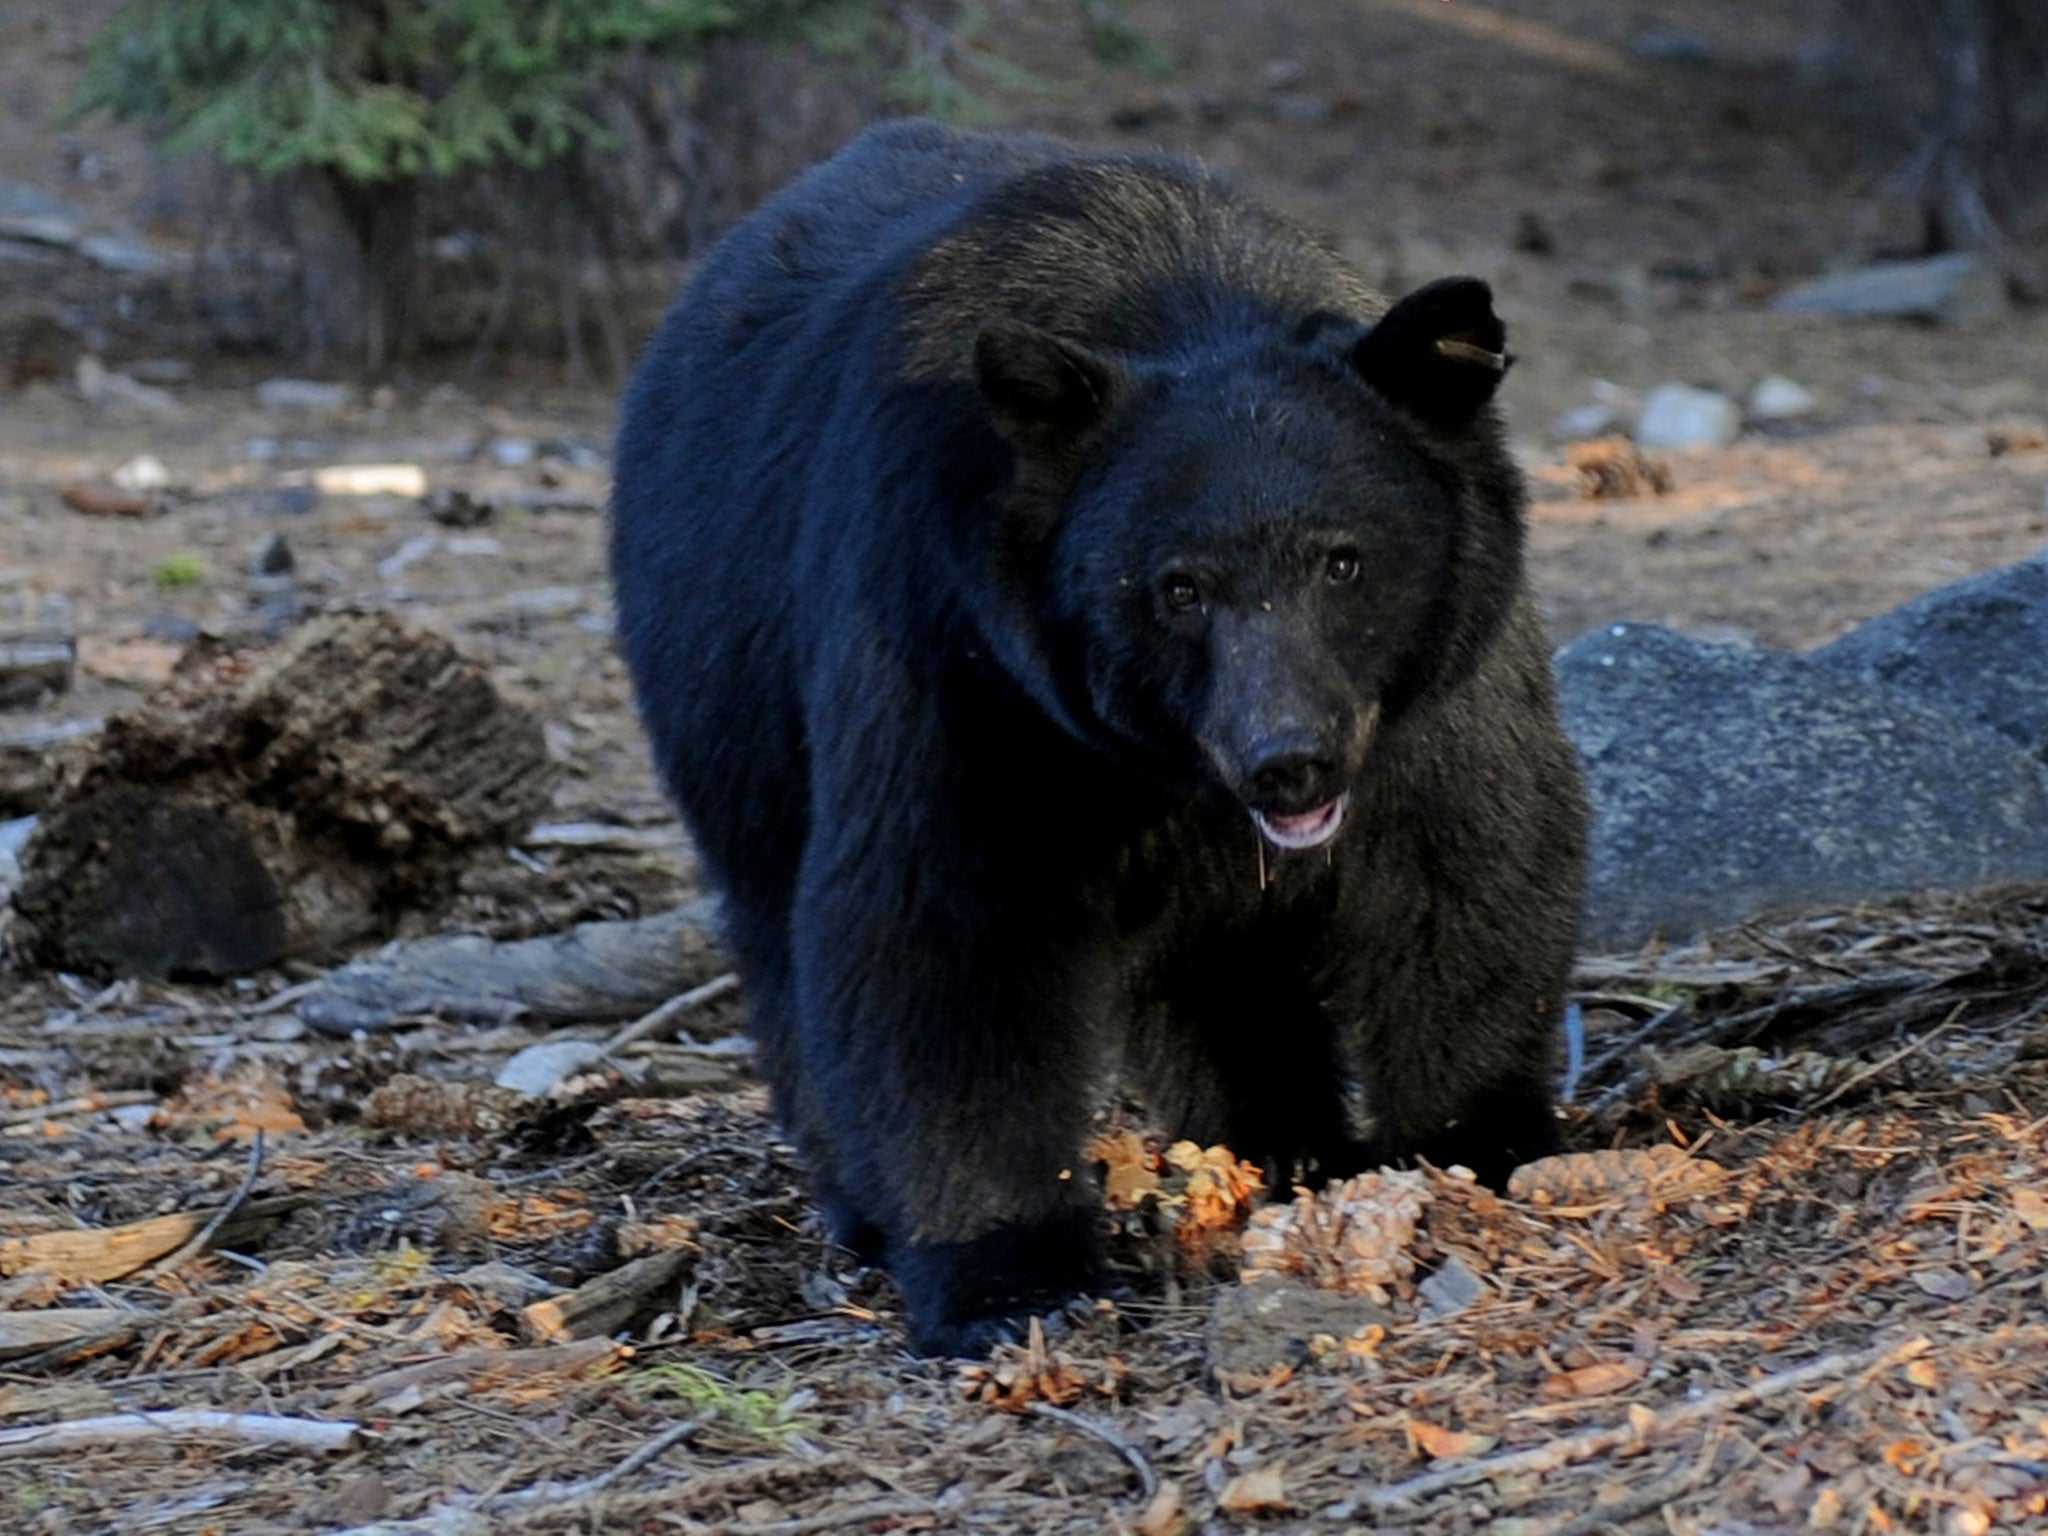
x,y
1247,559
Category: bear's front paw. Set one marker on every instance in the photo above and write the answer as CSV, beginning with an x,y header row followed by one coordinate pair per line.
x,y
965,1298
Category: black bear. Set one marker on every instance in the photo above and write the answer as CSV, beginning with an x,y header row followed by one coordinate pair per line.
x,y
1084,628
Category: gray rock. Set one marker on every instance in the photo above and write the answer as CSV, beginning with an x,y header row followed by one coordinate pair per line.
x,y
273,557
1778,398
1679,416
1449,1289
1953,288
1729,781
1253,1328
1976,648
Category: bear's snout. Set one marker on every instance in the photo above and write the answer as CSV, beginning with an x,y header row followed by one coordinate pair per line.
x,y
1292,773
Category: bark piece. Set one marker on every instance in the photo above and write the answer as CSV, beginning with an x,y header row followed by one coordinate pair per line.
x,y
108,1253
281,804
614,1300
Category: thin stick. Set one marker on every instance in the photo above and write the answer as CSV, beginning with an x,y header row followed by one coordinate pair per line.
x,y
565,1493
1148,1481
655,1022
89,1104
119,1428
198,1242
1553,1454
1860,1078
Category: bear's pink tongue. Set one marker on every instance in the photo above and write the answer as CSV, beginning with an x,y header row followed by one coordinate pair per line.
x,y
1307,830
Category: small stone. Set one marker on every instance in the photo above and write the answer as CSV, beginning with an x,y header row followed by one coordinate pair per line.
x,y
1778,398
144,472
1450,1290
1679,416
272,558
170,626
474,544
1253,1328
513,452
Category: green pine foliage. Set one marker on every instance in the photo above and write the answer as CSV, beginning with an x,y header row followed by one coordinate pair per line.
x,y
382,90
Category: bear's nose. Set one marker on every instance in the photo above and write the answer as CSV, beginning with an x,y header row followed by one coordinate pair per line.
x,y
1292,773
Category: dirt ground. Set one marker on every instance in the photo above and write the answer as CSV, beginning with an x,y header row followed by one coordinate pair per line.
x,y
1838,1325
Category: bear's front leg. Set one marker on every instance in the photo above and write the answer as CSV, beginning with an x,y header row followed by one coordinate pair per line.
x,y
944,1006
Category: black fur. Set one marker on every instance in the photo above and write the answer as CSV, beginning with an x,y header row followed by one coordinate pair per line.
x,y
998,527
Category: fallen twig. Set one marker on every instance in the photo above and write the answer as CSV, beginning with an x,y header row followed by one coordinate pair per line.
x,y
1148,1480
568,1493
90,1103
198,1242
654,1024
120,1428
1909,1048
1553,1454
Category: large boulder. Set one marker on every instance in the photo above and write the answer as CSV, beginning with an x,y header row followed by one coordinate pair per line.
x,y
1976,648
1728,781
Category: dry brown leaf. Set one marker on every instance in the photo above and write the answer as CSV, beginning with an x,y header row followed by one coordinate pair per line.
x,y
1652,1177
1595,1380
1165,1515
1255,1493
2031,1206
232,1109
1436,1442
1353,1237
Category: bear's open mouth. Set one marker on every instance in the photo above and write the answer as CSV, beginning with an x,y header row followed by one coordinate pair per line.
x,y
1310,829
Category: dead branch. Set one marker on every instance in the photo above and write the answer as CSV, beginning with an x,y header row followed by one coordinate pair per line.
x,y
127,1428
88,1104
659,1023
197,1243
1148,1480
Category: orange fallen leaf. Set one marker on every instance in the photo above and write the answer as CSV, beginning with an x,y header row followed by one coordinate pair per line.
x,y
1165,1515
2032,1207
1255,1493
233,1108
1596,1380
1436,1442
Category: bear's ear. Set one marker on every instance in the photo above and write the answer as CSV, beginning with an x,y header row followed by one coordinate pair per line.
x,y
1043,391
1440,352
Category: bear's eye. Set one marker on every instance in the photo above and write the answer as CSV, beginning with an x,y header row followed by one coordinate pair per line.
x,y
1179,593
1342,566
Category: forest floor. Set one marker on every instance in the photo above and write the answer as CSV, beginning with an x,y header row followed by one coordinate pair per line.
x,y
1833,1320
